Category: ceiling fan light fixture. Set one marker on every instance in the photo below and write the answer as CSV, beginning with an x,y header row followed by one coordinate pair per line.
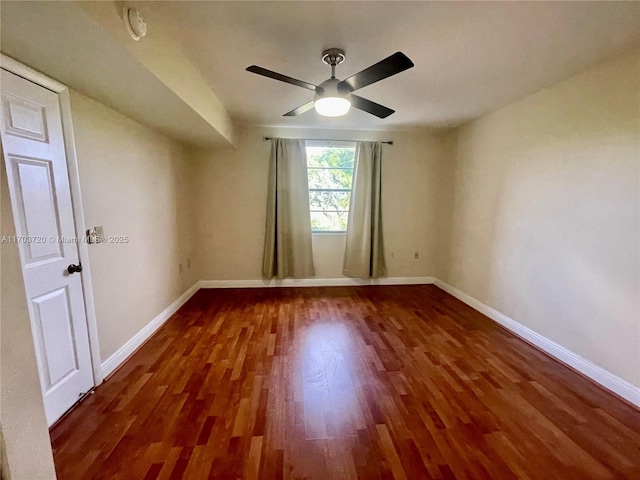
x,y
330,100
332,106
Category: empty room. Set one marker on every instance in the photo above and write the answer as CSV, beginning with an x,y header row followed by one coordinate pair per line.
x,y
319,240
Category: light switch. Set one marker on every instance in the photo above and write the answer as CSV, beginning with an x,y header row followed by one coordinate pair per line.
x,y
99,231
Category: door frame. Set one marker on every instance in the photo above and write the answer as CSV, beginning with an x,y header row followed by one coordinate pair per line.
x,y
13,66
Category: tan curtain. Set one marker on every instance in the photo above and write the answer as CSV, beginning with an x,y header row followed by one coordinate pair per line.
x,y
287,246
364,254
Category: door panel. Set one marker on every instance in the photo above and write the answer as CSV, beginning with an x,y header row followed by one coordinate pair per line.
x,y
25,118
38,211
35,159
54,325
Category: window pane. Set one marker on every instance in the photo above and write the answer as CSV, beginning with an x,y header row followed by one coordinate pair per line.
x,y
329,221
330,174
330,157
330,178
329,201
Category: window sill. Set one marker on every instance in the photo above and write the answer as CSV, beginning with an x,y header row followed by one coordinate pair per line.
x,y
324,234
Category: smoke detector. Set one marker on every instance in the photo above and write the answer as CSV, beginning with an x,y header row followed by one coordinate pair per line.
x,y
134,23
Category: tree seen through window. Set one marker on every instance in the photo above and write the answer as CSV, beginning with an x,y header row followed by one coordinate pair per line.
x,y
330,171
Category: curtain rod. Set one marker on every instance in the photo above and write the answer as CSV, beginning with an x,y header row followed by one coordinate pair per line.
x,y
389,142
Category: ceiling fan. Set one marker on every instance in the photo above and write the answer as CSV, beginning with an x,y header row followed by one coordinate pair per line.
x,y
334,97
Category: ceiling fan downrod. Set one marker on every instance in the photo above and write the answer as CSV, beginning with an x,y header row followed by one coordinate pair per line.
x,y
333,57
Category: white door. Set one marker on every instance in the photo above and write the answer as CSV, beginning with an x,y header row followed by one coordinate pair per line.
x,y
35,159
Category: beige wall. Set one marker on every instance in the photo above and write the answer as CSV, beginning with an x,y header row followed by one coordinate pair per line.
x,y
24,426
135,182
545,225
231,201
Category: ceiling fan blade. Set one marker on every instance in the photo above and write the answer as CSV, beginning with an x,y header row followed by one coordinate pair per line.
x,y
368,106
278,76
300,110
396,63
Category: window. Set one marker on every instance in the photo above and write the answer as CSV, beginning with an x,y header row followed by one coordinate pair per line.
x,y
330,171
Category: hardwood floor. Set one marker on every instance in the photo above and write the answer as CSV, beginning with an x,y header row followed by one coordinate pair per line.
x,y
400,382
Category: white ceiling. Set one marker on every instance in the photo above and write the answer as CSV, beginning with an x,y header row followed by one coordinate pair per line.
x,y
470,57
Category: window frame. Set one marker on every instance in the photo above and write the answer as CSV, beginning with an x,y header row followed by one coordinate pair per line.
x,y
331,144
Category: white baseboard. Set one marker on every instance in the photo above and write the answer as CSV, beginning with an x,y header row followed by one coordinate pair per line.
x,y
120,355
314,282
596,373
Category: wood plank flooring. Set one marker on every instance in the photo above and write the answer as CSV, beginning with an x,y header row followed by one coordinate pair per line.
x,y
401,382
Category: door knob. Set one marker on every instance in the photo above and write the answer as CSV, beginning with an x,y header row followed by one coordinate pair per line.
x,y
74,268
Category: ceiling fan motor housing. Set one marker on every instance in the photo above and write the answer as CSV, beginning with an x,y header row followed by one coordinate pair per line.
x,y
332,88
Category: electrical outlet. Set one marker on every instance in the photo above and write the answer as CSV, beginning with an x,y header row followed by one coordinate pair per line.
x,y
416,255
